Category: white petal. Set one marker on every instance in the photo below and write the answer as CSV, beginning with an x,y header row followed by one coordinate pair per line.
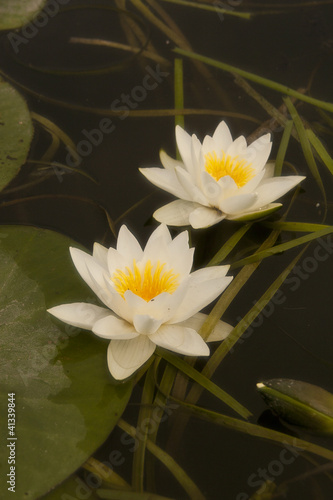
x,y
258,152
136,304
205,217
181,340
168,162
118,304
239,203
252,184
199,293
164,305
208,146
165,179
100,253
197,157
219,332
128,246
273,188
193,193
91,271
210,187
175,213
184,141
111,327
222,136
181,256
79,314
269,170
161,234
116,261
145,324
238,147
79,260
126,356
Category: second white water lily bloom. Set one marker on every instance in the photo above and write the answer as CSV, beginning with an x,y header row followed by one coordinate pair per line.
x,y
219,179
152,298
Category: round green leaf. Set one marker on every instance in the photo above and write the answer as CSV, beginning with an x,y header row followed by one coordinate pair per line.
x,y
17,13
16,132
65,401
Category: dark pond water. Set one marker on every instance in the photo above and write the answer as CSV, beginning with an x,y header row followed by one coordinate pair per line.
x,y
291,43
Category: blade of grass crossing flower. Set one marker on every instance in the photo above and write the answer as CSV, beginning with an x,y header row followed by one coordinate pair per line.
x,y
258,431
306,146
229,245
184,480
283,247
218,310
283,148
205,383
235,286
321,150
256,78
144,419
179,93
242,326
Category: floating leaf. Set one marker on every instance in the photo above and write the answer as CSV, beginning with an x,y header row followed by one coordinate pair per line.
x,y
65,402
299,403
16,131
17,13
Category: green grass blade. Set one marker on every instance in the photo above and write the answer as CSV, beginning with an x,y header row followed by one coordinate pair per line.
x,y
301,227
256,78
283,148
218,10
186,482
229,245
179,93
235,286
283,247
258,431
306,146
143,418
205,383
321,150
242,326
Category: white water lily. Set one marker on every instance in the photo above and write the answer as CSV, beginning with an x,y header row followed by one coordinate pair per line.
x,y
219,179
151,296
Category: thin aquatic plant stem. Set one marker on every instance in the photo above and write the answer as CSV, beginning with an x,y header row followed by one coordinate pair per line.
x,y
256,78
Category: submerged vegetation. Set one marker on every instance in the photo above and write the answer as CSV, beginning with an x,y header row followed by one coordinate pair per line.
x,y
55,377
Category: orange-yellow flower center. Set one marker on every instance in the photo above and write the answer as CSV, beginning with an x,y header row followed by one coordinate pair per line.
x,y
148,282
239,170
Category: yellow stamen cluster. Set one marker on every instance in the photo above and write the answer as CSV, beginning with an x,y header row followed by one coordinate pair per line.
x,y
239,170
147,283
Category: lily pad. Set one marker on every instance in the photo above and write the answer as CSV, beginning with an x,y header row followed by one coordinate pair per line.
x,y
17,13
65,401
299,403
16,132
